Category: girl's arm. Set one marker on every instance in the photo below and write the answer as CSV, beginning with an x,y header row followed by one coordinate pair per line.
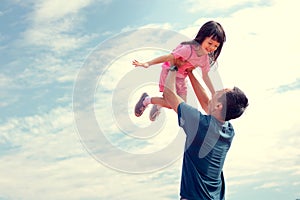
x,y
208,82
199,91
161,59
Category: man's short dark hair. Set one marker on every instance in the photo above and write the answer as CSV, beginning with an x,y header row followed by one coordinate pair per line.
x,y
234,103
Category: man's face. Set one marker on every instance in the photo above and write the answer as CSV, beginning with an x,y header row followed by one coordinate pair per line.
x,y
209,45
214,104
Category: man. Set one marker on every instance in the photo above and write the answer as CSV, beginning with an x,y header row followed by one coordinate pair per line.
x,y
208,137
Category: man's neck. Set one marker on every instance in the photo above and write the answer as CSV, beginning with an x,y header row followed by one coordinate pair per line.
x,y
218,117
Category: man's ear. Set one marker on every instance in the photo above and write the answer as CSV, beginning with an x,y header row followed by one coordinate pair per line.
x,y
219,106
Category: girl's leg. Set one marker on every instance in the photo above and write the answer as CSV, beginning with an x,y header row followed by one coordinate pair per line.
x,y
159,101
145,99
181,88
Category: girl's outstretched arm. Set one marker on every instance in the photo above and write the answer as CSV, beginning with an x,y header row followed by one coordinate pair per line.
x,y
161,59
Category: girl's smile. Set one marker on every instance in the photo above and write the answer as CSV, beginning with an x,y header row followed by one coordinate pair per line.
x,y
209,45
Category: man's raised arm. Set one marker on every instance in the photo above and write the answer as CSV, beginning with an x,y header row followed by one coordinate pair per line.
x,y
199,91
169,93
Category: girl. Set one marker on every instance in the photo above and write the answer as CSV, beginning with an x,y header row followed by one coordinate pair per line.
x,y
202,52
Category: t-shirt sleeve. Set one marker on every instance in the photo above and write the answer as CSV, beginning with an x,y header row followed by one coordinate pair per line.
x,y
182,51
189,118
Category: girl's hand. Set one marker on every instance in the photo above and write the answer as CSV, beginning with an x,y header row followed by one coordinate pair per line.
x,y
138,64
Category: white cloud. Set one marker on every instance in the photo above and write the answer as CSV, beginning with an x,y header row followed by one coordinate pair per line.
x,y
53,10
167,26
210,6
53,24
56,35
268,185
49,162
5,81
7,84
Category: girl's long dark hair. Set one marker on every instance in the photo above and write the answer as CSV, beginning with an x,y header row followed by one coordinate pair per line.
x,y
210,29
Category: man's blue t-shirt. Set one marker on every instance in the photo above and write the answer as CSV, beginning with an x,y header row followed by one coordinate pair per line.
x,y
207,143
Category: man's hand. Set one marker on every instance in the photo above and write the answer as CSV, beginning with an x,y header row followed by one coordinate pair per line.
x,y
179,62
189,70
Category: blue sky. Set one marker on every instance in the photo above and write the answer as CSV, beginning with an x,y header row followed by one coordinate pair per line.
x,y
67,92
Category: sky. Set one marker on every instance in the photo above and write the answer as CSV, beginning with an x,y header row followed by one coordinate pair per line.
x,y
68,90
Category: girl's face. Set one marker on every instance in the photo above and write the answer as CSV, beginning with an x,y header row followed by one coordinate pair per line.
x,y
209,45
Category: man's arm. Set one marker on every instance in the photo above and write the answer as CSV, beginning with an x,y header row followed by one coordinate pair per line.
x,y
208,82
199,91
169,93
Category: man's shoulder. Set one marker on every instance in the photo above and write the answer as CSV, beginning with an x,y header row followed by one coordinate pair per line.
x,y
187,111
190,107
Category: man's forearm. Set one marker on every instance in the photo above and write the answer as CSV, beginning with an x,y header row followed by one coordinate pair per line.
x,y
208,83
169,91
199,91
